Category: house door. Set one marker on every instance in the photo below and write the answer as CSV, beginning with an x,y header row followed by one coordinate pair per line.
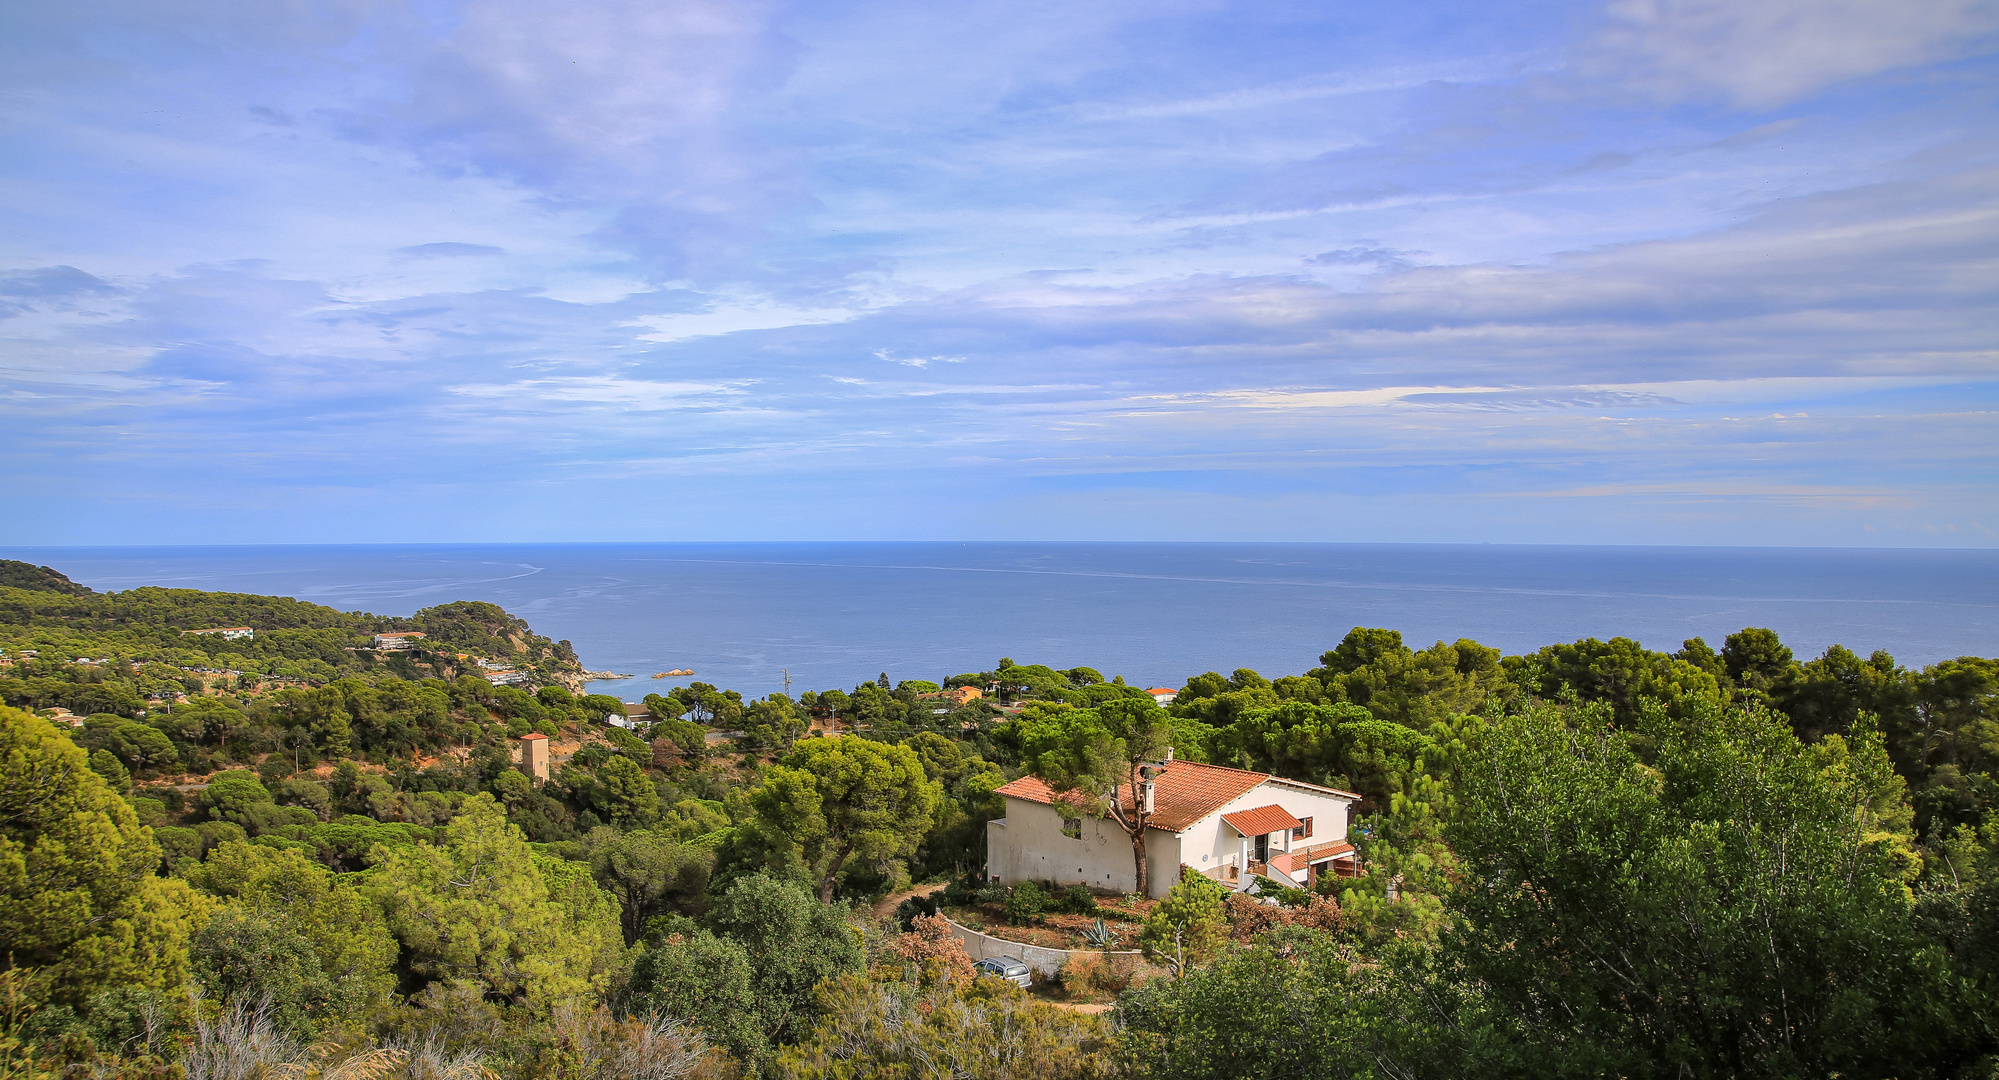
x,y
1263,847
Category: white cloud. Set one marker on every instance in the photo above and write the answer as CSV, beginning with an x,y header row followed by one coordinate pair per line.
x,y
638,395
1764,53
916,361
730,319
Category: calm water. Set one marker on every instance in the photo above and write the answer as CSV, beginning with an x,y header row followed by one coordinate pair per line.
x,y
835,614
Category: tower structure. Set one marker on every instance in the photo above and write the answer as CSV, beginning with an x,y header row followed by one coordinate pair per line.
x,y
534,755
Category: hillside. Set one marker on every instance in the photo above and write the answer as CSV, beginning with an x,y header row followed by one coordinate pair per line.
x,y
290,854
64,645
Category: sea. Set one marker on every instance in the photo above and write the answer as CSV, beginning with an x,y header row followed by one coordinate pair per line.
x,y
761,617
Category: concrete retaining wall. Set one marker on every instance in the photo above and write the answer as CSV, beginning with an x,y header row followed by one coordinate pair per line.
x,y
1044,961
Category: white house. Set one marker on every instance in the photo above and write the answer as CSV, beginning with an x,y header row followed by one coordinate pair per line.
x,y
1164,695
399,639
1232,825
229,633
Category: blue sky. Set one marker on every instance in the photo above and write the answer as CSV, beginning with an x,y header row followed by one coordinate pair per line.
x,y
1654,272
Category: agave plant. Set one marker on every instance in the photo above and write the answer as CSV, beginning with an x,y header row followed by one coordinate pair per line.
x,y
1099,935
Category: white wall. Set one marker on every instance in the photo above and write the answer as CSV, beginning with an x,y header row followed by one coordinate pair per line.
x,y
1216,839
1029,845
1044,961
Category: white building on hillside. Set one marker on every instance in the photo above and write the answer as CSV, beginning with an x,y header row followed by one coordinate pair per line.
x,y
398,639
1229,824
229,633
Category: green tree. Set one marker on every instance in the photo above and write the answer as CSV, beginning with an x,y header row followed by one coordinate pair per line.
x,y
710,981
241,959
107,765
1755,659
1620,672
624,793
1188,926
1344,745
1322,1010
281,888
845,798
649,874
1740,911
1826,696
79,905
991,1030
793,942
1101,760
230,796
482,906
141,747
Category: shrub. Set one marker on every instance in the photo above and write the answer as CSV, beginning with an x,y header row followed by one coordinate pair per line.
x,y
913,908
973,890
934,951
1102,973
1078,900
1024,903
1081,972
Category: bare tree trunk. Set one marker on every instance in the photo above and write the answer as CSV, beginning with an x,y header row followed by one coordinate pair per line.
x,y
832,872
1138,860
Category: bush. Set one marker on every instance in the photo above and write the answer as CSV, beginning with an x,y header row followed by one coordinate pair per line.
x,y
1024,903
1100,973
1078,900
1079,973
933,951
913,908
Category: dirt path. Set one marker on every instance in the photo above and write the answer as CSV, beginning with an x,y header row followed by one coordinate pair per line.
x,y
888,904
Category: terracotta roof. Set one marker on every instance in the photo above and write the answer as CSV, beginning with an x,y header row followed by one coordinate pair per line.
x,y
1332,851
1263,819
1183,794
1163,690
533,735
1287,782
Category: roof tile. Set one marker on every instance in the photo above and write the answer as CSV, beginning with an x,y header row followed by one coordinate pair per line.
x,y
1262,819
1183,794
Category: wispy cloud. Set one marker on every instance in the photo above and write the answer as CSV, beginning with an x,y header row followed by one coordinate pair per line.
x,y
1645,271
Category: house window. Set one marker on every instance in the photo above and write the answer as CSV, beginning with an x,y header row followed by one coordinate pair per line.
x,y
1072,827
1303,831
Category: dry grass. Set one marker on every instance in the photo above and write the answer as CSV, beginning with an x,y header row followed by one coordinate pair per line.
x,y
243,1044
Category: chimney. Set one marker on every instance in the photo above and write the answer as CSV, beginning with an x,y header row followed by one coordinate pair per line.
x,y
1145,794
1169,755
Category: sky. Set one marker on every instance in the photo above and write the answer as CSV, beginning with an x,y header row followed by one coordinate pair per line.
x,y
1645,272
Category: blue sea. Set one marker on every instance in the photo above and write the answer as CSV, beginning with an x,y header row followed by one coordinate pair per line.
x,y
834,614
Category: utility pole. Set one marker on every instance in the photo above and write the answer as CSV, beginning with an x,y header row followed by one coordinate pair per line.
x,y
787,682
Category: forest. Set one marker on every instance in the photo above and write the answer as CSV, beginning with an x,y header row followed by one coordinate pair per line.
x,y
292,855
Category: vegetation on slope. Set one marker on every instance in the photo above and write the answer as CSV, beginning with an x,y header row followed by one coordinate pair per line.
x,y
1594,859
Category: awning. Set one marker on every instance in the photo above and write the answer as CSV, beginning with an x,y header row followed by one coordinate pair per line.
x,y
1263,819
1331,851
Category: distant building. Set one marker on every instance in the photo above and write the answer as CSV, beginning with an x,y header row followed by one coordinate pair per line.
x,y
1162,695
1230,825
506,677
959,696
534,755
229,633
399,639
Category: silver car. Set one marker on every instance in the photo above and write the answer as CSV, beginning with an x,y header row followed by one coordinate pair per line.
x,y
1005,967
